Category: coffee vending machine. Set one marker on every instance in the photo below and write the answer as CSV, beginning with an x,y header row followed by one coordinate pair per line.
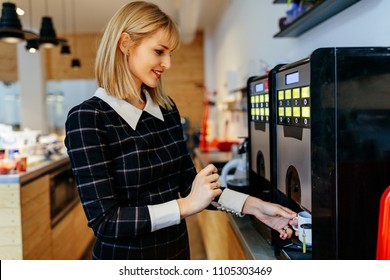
x,y
260,96
333,147
258,148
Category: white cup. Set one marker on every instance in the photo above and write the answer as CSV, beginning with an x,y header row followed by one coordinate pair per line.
x,y
304,227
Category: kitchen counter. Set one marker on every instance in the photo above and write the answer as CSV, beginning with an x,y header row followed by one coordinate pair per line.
x,y
41,215
37,170
252,243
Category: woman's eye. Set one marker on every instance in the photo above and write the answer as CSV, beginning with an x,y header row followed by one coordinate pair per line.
x,y
159,52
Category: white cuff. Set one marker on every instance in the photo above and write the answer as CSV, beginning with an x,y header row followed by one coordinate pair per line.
x,y
232,201
164,215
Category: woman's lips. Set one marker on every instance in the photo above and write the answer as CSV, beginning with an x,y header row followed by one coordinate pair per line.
x,y
157,73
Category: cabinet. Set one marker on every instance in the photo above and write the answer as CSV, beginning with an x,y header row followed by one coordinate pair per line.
x,y
10,224
36,222
71,236
67,239
317,13
27,228
220,240
235,250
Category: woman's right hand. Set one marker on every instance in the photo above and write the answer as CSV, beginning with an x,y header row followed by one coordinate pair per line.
x,y
204,189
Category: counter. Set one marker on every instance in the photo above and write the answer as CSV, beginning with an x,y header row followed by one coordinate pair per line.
x,y
36,171
248,240
29,226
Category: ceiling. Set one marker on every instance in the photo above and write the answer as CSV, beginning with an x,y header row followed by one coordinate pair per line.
x,y
90,16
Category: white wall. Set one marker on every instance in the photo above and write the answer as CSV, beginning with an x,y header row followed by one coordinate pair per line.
x,y
62,95
10,103
32,90
243,42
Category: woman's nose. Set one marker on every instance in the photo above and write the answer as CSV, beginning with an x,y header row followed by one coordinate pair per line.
x,y
166,62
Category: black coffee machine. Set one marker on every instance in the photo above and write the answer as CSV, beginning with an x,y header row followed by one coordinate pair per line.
x,y
332,147
261,96
258,148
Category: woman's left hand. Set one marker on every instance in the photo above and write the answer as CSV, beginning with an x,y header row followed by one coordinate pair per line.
x,y
273,215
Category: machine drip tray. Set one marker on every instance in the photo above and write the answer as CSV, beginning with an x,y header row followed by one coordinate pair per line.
x,y
294,251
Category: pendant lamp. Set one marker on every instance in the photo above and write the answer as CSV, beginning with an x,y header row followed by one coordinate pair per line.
x,y
32,45
10,26
65,48
47,34
75,64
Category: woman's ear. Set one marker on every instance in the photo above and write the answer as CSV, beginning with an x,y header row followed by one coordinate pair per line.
x,y
124,42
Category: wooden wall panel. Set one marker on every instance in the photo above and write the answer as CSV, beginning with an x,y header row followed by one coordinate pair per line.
x,y
8,63
184,82
83,47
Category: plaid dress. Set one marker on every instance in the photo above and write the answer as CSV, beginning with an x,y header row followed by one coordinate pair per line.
x,y
120,170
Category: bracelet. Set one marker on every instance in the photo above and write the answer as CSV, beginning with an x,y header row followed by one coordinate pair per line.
x,y
227,210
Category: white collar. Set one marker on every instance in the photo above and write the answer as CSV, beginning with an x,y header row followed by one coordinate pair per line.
x,y
128,112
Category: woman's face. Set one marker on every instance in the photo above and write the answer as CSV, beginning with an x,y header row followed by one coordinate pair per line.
x,y
149,59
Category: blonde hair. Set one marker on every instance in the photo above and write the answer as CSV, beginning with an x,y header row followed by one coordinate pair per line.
x,y
140,20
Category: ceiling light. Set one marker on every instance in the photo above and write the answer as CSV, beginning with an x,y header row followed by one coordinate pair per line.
x,y
32,45
47,34
65,48
10,26
19,11
76,64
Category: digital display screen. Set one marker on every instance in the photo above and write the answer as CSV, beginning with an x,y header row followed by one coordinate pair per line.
x,y
292,78
259,87
294,106
259,102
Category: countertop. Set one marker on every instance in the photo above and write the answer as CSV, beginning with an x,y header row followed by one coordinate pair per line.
x,y
37,170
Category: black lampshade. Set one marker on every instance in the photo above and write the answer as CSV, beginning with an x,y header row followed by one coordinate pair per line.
x,y
76,64
10,26
9,17
47,34
65,49
32,45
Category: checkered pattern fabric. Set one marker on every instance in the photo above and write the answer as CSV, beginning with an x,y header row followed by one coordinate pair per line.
x,y
119,171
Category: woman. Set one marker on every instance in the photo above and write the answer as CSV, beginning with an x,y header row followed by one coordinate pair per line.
x,y
136,181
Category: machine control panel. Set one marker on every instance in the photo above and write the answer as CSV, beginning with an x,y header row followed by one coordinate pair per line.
x,y
259,101
294,106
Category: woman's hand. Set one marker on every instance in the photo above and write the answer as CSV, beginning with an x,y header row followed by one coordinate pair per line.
x,y
204,189
273,215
